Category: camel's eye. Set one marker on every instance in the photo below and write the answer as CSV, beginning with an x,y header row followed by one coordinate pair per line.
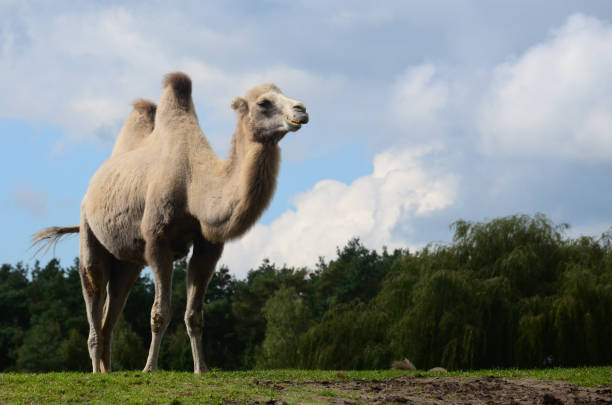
x,y
264,103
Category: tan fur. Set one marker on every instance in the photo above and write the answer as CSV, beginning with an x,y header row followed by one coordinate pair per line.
x,y
165,190
139,124
49,237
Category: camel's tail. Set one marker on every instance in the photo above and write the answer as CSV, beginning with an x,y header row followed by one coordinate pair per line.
x,y
47,238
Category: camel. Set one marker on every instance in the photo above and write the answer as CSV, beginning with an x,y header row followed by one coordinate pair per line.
x,y
163,192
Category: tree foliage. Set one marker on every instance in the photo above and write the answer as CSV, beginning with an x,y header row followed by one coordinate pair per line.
x,y
509,292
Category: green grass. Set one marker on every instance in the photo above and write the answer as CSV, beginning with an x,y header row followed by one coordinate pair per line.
x,y
587,376
218,387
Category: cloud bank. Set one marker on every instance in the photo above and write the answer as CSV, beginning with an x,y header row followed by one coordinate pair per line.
x,y
80,69
554,100
377,208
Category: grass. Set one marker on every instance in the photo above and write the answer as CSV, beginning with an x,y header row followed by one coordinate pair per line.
x,y
587,376
218,387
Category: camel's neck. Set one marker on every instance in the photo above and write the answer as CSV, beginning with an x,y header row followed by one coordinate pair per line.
x,y
230,196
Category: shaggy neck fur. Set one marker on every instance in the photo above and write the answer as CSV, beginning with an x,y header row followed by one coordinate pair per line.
x,y
243,190
253,170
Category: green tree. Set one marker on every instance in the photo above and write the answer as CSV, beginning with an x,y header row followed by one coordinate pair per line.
x,y
509,292
55,307
128,350
138,307
222,345
73,352
355,274
15,316
250,298
287,317
350,336
40,350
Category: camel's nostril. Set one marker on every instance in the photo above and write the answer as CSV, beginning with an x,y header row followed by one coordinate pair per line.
x,y
299,107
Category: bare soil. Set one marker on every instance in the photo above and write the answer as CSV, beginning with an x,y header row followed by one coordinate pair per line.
x,y
445,390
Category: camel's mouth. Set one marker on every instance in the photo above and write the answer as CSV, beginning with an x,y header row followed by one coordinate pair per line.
x,y
293,124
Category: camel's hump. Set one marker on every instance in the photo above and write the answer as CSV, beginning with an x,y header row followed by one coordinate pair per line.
x,y
180,83
145,107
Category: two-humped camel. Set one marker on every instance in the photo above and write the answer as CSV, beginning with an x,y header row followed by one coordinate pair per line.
x,y
164,190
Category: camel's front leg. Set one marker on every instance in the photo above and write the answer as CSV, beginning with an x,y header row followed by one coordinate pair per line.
x,y
160,261
200,270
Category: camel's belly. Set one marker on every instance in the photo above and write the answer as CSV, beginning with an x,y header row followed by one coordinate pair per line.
x,y
114,207
118,231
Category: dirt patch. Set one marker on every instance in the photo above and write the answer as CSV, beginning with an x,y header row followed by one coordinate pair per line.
x,y
443,390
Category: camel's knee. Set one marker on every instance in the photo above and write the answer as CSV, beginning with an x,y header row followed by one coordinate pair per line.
x,y
94,342
160,317
194,322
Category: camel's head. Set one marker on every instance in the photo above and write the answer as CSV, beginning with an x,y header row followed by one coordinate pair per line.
x,y
269,114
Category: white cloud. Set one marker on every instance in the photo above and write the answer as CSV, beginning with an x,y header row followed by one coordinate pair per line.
x,y
555,100
418,102
375,208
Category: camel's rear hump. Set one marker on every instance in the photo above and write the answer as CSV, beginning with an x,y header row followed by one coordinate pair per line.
x,y
138,125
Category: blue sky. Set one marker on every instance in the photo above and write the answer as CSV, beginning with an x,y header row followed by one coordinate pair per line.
x,y
421,112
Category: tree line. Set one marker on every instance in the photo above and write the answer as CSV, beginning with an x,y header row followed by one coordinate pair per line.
x,y
509,292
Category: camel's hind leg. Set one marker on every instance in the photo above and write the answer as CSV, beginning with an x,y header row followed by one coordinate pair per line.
x,y
95,262
159,258
123,275
200,271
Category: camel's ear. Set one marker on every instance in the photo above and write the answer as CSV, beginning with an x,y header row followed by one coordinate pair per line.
x,y
240,105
